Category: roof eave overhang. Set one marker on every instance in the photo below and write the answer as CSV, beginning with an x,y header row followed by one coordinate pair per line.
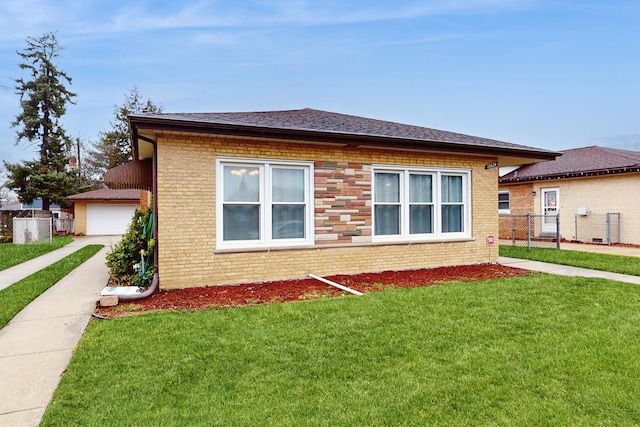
x,y
141,125
568,175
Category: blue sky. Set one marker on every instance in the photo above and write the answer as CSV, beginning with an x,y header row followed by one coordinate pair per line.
x,y
550,74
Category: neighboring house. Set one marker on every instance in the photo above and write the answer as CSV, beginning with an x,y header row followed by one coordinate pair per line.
x,y
15,205
36,205
104,212
17,209
246,197
582,186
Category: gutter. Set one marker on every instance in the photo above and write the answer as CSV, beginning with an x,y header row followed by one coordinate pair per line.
x,y
598,172
154,193
137,295
155,282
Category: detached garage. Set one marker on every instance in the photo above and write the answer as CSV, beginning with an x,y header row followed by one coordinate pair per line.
x,y
104,212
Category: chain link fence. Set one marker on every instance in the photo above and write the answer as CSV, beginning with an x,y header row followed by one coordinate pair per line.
x,y
63,226
539,231
6,222
597,228
9,235
32,230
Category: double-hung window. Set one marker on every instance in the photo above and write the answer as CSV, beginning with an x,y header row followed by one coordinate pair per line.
x,y
504,202
263,203
414,204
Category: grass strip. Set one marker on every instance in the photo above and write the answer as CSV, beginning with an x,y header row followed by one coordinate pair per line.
x,y
595,261
534,350
13,254
20,294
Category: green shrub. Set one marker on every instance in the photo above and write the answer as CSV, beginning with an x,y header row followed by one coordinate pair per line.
x,y
130,262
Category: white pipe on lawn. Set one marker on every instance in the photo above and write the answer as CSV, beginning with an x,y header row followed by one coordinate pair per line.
x,y
337,285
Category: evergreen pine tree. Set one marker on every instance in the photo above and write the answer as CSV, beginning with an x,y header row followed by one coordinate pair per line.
x,y
114,147
43,98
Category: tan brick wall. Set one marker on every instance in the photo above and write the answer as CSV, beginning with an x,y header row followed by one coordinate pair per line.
x,y
187,228
80,217
599,195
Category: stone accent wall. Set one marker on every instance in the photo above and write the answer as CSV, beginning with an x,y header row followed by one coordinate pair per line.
x,y
342,185
342,202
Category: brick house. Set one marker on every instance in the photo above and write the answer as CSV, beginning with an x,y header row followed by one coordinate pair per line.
x,y
582,186
246,197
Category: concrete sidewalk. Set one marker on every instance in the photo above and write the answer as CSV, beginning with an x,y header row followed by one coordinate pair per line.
x,y
36,345
565,270
16,273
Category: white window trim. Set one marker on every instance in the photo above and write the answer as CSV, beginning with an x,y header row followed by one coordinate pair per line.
x,y
504,211
437,234
264,241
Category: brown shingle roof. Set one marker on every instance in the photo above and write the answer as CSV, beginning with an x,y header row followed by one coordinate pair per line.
x,y
107,194
586,161
327,126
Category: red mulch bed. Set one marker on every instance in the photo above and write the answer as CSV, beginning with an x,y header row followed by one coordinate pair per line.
x,y
304,289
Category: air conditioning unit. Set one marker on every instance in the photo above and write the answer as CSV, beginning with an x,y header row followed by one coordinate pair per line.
x,y
581,211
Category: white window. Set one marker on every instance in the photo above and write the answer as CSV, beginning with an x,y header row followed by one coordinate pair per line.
x,y
263,203
415,204
504,202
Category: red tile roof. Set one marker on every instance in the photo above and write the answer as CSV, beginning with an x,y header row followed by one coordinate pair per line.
x,y
107,194
586,161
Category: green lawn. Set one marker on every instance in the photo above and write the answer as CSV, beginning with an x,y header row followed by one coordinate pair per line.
x,y
20,294
596,261
534,350
13,254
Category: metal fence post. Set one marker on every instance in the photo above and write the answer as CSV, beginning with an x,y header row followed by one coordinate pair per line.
x,y
607,223
529,230
513,230
558,230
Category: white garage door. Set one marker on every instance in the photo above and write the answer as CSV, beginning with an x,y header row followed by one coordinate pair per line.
x,y
108,219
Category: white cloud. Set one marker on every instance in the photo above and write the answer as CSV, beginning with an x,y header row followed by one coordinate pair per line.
x,y
20,18
327,12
